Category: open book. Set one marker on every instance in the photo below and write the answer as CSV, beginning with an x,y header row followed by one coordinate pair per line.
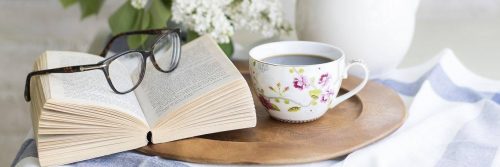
x,y
76,116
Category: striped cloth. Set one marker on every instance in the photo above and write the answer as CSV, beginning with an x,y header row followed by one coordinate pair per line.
x,y
454,120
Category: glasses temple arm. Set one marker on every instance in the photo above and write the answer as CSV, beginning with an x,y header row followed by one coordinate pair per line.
x,y
69,69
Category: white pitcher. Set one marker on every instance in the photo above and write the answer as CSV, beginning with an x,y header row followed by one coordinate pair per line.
x,y
377,31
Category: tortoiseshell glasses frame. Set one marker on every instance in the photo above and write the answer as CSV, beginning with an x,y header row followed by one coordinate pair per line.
x,y
172,34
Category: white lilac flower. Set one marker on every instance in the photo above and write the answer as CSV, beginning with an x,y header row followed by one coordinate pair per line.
x,y
139,4
220,18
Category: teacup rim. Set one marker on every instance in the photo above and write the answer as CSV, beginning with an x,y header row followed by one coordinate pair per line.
x,y
342,53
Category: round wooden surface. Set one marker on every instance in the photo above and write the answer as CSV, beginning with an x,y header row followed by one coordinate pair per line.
x,y
372,114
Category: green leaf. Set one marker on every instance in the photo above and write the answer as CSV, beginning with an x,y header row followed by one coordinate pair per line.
x,y
277,100
294,109
167,3
314,102
191,35
286,89
271,88
159,14
291,70
123,19
287,101
227,48
315,93
274,107
301,70
67,3
142,22
90,7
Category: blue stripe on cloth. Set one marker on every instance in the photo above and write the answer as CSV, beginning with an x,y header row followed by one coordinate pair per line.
x,y
441,84
477,142
496,98
28,149
128,158
407,89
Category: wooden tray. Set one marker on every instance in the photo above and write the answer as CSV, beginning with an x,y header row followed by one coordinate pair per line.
x,y
372,114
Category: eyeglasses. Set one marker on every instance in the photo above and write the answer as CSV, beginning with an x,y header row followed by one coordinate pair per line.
x,y
165,54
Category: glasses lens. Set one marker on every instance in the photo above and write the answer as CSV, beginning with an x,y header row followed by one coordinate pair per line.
x,y
164,51
125,71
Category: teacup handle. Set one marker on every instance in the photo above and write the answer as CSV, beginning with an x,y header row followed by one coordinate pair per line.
x,y
351,93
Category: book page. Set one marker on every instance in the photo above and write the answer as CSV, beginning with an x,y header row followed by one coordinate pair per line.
x,y
202,67
90,87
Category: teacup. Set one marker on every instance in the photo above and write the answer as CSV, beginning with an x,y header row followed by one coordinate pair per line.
x,y
298,81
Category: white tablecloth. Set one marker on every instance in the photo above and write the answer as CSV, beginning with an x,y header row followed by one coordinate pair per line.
x,y
454,120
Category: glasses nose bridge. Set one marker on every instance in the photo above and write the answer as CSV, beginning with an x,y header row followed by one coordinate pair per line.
x,y
147,54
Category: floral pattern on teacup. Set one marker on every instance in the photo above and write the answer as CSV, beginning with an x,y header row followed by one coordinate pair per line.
x,y
318,90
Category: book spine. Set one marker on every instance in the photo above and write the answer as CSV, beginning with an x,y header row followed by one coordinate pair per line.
x,y
149,136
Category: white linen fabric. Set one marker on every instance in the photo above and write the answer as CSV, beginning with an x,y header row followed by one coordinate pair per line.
x,y
453,120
